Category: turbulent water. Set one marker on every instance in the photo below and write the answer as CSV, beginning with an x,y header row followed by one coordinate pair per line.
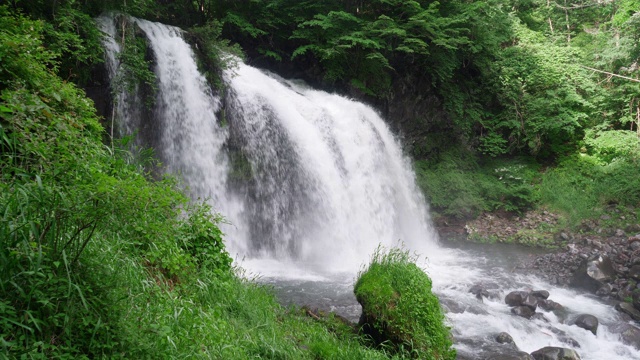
x,y
311,183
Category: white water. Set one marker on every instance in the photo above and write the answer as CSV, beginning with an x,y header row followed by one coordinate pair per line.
x,y
328,184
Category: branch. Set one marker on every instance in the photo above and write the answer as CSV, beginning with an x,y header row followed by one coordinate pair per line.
x,y
611,74
575,6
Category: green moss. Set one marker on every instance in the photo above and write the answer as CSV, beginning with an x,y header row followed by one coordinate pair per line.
x,y
399,307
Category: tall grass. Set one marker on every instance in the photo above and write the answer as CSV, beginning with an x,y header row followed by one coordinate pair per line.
x,y
583,186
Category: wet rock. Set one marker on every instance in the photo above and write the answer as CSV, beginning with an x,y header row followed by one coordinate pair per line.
x,y
540,294
555,353
539,316
504,338
593,273
628,309
564,337
518,355
451,306
524,311
531,302
605,290
549,305
629,334
587,322
634,272
516,298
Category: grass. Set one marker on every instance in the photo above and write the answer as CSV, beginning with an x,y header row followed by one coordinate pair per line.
x,y
400,312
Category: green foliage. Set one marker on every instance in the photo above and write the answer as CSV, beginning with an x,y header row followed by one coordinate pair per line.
x,y
215,54
615,144
203,240
135,68
397,302
582,186
457,185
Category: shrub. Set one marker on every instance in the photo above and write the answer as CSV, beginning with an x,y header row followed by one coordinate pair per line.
x,y
460,187
399,308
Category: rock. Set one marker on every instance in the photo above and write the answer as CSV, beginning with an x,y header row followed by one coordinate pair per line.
x,y
620,233
539,316
628,309
524,311
540,294
484,290
504,338
531,302
634,272
515,298
632,228
604,290
587,322
564,337
555,353
386,314
550,305
518,355
629,334
593,273
451,306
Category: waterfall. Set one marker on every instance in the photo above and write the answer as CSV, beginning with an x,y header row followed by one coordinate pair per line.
x,y
324,183
330,181
311,183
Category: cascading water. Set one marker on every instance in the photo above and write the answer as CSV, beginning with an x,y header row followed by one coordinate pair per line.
x,y
313,182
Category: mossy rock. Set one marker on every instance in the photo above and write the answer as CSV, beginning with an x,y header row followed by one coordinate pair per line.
x,y
398,308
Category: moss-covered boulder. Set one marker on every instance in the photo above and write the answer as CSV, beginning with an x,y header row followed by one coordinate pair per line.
x,y
399,309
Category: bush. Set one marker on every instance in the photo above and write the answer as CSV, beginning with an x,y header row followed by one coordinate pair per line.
x,y
399,308
582,186
460,187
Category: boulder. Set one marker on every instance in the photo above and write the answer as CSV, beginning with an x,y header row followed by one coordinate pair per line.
x,y
539,316
634,272
555,353
629,334
504,338
587,322
518,355
516,298
549,305
524,311
540,294
399,308
531,302
628,309
593,273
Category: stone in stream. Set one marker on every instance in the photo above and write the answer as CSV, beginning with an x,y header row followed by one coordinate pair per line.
x,y
555,353
540,294
593,273
515,298
629,334
504,338
628,309
587,322
521,298
519,355
549,305
524,311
